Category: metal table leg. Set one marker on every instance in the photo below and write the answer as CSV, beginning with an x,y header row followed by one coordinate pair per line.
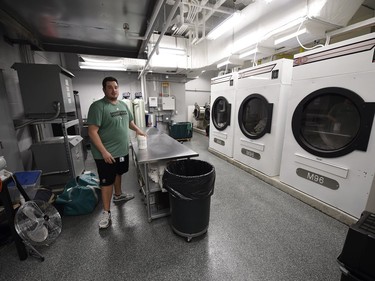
x,y
147,191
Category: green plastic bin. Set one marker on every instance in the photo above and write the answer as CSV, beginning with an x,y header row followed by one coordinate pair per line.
x,y
181,130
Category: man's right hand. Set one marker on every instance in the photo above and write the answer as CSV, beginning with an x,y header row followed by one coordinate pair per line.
x,y
108,158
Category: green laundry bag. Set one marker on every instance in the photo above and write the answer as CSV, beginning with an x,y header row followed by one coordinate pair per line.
x,y
80,196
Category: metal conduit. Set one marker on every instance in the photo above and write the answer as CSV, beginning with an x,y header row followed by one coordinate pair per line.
x,y
151,24
165,27
215,8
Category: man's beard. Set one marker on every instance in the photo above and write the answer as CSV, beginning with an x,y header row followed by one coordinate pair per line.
x,y
111,98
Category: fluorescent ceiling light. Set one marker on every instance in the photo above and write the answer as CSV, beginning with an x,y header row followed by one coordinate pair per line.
x,y
108,63
248,53
171,51
225,26
285,27
164,50
261,35
98,59
233,60
117,65
103,67
223,63
259,50
290,36
246,41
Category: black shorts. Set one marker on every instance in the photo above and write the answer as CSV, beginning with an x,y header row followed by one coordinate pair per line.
x,y
107,172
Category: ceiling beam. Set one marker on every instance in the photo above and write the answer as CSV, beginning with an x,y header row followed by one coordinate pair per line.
x,y
23,34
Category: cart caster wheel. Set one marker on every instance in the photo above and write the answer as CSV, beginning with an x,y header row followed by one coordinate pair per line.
x,y
36,255
188,239
149,220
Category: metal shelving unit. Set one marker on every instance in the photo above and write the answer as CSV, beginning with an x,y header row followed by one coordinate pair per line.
x,y
74,159
159,148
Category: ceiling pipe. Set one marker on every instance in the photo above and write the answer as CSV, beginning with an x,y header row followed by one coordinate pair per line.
x,y
198,40
150,26
212,10
179,21
215,9
192,22
165,27
204,5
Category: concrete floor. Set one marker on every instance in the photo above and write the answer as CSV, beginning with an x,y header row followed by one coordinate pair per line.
x,y
256,232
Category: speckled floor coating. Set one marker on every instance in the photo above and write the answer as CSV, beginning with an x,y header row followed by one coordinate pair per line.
x,y
256,233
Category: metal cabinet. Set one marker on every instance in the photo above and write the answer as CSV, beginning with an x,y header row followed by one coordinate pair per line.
x,y
48,98
60,158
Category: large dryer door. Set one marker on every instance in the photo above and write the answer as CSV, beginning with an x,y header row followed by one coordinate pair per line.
x,y
255,116
221,111
333,122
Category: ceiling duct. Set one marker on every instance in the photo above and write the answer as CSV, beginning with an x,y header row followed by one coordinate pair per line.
x,y
335,12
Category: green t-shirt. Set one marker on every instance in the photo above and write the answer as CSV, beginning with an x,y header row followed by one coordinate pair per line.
x,y
113,121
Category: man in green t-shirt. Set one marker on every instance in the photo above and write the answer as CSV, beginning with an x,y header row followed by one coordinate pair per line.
x,y
108,122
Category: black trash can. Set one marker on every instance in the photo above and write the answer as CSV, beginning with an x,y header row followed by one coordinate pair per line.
x,y
190,184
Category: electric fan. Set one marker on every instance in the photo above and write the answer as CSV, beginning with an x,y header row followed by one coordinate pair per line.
x,y
37,223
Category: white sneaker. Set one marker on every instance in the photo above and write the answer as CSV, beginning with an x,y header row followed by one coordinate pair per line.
x,y
105,221
123,197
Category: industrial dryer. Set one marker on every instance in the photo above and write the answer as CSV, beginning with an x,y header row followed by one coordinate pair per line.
x,y
222,113
261,101
329,146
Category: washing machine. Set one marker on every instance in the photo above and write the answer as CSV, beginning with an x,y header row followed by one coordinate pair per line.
x,y
222,113
329,146
261,101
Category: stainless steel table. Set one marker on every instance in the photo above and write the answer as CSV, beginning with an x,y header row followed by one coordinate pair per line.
x,y
160,147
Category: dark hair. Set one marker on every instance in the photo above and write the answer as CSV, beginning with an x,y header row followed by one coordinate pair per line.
x,y
108,79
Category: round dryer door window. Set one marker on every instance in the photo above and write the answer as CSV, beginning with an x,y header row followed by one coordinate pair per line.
x,y
255,116
221,111
332,122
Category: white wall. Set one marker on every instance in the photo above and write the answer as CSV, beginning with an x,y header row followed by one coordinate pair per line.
x,y
89,85
199,90
177,90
